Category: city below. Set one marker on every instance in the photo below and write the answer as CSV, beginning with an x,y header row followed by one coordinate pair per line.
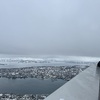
x,y
23,78
40,72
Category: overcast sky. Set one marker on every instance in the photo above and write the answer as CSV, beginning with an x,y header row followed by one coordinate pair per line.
x,y
50,27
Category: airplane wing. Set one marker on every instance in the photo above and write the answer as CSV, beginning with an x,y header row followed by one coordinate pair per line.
x,y
85,86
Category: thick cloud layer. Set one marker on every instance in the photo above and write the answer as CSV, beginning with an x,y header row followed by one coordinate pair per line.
x,y
50,27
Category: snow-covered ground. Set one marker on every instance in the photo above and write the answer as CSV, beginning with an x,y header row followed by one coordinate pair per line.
x,y
27,61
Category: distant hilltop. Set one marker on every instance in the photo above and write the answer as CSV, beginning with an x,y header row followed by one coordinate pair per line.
x,y
47,59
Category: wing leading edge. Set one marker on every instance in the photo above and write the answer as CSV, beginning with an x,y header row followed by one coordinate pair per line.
x,y
85,86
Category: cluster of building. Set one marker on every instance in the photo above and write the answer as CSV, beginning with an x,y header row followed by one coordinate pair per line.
x,y
42,72
23,97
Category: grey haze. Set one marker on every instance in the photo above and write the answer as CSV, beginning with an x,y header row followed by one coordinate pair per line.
x,y
50,27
